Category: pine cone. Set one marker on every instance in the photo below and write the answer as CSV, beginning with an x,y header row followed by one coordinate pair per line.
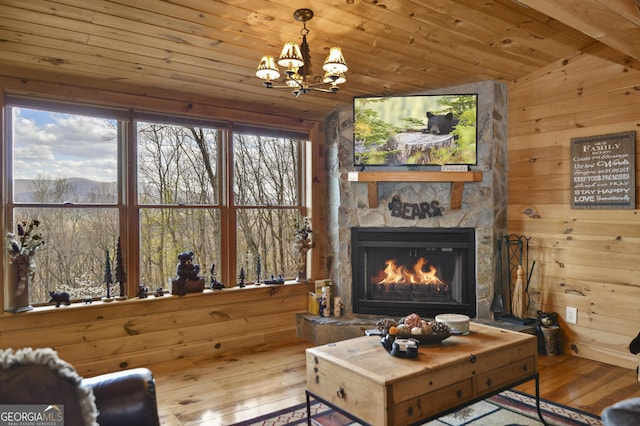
x,y
385,323
440,328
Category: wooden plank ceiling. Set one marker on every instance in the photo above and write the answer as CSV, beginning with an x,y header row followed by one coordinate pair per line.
x,y
207,49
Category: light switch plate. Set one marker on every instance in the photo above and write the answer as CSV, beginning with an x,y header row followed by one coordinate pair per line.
x,y
572,315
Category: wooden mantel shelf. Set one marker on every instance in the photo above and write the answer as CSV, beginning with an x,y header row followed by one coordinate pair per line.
x,y
457,180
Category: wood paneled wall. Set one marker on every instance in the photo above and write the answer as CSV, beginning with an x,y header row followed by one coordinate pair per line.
x,y
100,338
589,259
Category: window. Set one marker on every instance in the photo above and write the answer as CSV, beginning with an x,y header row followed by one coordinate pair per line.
x,y
64,173
161,185
266,196
178,193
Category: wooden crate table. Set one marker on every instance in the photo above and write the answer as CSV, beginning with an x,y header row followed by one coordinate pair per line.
x,y
359,378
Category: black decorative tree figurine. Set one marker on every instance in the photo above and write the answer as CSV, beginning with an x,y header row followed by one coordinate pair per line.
x,y
242,277
214,284
108,278
121,277
258,270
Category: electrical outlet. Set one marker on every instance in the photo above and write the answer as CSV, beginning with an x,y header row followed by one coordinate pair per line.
x,y
572,315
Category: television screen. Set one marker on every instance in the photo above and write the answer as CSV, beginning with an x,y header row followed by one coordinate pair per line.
x,y
415,130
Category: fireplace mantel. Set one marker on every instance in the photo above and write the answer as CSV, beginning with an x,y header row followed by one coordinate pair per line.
x,y
457,180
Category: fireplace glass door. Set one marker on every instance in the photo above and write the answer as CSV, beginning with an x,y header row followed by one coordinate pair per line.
x,y
397,271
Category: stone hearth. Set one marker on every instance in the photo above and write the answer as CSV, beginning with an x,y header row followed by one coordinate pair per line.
x,y
483,203
323,330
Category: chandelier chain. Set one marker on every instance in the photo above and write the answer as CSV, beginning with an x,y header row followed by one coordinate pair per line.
x,y
304,31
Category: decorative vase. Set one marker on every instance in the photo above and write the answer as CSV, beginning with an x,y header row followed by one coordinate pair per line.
x,y
303,244
18,289
302,267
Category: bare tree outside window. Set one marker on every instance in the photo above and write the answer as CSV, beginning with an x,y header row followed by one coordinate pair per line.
x,y
266,179
177,179
64,174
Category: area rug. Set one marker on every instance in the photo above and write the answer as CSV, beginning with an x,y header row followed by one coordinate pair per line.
x,y
507,408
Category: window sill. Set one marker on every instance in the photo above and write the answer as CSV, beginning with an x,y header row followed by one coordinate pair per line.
x,y
273,288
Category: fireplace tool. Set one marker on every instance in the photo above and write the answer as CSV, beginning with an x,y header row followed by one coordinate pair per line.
x,y
517,246
514,263
497,304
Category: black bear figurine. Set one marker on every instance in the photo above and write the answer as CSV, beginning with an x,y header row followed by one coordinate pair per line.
x,y
187,279
59,298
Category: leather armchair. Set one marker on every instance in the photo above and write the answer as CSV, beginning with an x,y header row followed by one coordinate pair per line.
x,y
125,398
40,377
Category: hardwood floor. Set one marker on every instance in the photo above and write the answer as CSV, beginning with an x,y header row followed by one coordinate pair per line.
x,y
229,389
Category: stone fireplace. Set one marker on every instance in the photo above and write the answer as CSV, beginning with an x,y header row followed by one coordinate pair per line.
x,y
400,270
483,213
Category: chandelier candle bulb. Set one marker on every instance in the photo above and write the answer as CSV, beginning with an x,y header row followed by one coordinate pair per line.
x,y
335,63
267,69
337,78
458,323
291,57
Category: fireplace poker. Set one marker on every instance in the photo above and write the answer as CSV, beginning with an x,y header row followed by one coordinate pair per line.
x,y
497,304
526,289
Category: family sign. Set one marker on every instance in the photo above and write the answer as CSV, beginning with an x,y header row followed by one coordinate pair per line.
x,y
603,171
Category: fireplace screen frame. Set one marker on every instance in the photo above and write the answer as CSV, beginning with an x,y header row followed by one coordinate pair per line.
x,y
463,239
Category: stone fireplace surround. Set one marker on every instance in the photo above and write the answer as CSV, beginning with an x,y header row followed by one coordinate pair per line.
x,y
483,204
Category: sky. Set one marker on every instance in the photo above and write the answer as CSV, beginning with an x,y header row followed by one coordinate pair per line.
x,y
57,145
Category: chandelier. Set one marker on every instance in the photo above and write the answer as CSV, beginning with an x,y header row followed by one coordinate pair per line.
x,y
297,63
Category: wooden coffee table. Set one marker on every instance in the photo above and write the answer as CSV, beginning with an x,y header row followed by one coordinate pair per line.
x,y
359,378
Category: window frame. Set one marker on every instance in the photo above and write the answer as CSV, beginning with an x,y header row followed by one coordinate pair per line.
x,y
127,201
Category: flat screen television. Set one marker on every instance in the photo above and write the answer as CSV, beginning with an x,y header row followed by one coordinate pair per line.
x,y
415,130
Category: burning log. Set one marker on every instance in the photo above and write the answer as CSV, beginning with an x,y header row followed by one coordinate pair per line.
x,y
400,274
409,280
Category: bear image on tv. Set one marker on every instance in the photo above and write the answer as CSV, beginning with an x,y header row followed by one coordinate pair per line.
x,y
417,147
440,124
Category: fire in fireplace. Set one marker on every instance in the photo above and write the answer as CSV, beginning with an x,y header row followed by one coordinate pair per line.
x,y
409,274
397,271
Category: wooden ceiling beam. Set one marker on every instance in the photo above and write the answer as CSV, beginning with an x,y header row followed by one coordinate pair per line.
x,y
615,23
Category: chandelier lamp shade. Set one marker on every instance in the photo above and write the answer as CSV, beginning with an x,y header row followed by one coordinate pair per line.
x,y
296,61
